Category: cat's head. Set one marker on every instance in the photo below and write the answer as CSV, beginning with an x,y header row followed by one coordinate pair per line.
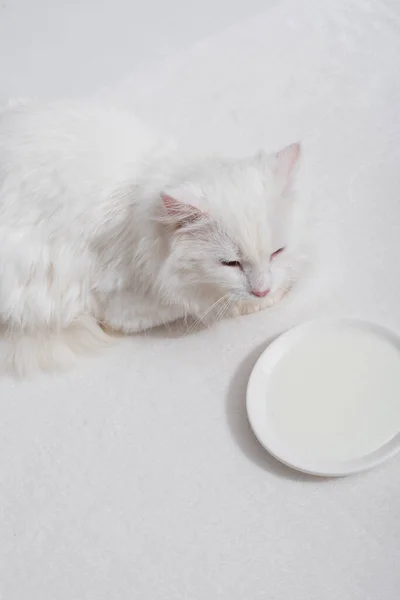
x,y
230,229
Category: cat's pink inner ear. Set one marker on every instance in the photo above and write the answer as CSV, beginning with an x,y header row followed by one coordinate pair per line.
x,y
181,212
287,159
173,206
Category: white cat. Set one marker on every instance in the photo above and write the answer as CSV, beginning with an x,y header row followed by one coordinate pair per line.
x,y
103,224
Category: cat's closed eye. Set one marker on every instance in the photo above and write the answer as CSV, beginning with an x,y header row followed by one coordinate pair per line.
x,y
231,263
277,252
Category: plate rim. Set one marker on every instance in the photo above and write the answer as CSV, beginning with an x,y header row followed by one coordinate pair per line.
x,y
334,468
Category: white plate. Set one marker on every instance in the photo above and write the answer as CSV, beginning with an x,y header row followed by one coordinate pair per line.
x,y
331,452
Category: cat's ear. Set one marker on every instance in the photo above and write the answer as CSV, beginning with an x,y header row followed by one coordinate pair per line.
x,y
287,161
180,213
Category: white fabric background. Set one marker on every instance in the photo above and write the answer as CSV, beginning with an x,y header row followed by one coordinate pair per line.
x,y
136,475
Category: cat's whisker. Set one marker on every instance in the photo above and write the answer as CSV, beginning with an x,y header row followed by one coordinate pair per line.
x,y
223,310
200,319
220,311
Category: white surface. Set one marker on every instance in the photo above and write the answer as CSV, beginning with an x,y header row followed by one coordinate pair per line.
x,y
324,397
136,475
54,47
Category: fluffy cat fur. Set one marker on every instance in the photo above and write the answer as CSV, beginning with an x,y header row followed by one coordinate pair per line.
x,y
103,226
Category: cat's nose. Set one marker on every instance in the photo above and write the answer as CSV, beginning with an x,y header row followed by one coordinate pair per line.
x,y
260,293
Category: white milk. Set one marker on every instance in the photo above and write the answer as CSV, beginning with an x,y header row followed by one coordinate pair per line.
x,y
336,396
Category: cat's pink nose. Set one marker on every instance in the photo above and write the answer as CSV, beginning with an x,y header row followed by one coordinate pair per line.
x,y
260,293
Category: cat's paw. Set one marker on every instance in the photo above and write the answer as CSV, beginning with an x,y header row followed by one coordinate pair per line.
x,y
277,296
249,307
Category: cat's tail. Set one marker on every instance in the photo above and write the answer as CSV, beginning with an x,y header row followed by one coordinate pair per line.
x,y
23,353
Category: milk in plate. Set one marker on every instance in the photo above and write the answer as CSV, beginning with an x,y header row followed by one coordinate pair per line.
x,y
336,395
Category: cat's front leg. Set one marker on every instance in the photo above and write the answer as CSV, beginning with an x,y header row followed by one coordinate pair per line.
x,y
127,313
